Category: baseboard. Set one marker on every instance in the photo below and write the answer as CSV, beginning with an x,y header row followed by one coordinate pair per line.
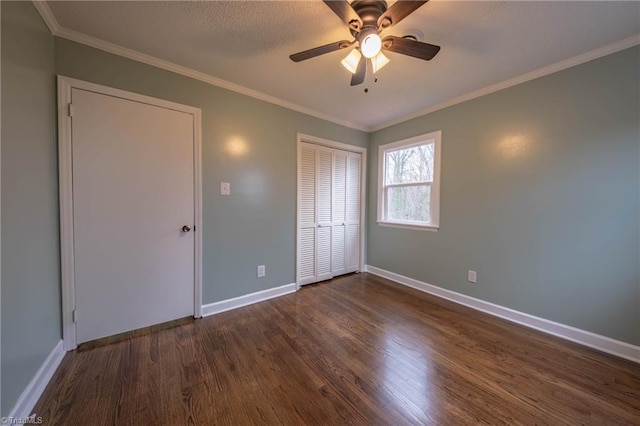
x,y
583,337
38,383
247,299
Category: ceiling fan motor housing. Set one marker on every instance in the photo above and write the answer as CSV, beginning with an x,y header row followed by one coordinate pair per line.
x,y
369,12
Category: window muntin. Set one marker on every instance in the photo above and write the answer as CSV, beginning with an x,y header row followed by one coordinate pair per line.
x,y
408,193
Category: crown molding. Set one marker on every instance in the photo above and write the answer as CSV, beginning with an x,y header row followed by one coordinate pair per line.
x,y
59,31
541,72
47,16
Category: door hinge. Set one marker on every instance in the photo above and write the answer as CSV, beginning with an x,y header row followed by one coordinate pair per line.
x,y
75,315
70,110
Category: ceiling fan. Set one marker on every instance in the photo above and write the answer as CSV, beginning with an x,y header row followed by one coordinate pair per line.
x,y
366,20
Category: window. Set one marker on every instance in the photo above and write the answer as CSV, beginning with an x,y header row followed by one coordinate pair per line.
x,y
409,182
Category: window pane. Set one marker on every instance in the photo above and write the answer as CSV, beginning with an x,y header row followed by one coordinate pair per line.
x,y
409,165
409,203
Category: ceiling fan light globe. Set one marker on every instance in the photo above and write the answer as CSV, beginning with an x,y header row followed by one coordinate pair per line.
x,y
370,45
351,61
379,61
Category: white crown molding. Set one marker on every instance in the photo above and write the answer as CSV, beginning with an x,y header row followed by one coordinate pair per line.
x,y
47,15
583,337
30,395
115,49
247,299
549,69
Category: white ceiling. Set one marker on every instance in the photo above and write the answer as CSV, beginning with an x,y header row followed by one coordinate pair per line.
x,y
249,43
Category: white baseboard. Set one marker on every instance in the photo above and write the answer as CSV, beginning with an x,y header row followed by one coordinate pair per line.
x,y
29,397
247,299
583,337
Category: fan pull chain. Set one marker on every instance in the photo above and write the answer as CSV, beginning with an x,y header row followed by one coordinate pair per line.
x,y
366,89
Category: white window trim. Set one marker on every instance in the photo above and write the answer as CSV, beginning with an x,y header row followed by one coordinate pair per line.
x,y
436,137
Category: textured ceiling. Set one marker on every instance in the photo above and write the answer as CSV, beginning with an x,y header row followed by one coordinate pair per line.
x,y
249,43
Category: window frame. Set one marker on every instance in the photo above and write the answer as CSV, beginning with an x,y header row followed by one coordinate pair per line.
x,y
434,225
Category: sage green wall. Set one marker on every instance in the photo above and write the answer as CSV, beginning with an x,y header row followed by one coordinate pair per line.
x,y
30,255
540,192
540,195
255,225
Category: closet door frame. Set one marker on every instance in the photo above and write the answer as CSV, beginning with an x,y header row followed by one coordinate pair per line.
x,y
303,138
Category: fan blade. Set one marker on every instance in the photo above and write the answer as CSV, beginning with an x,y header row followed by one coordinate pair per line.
x,y
397,12
345,12
361,71
317,51
409,47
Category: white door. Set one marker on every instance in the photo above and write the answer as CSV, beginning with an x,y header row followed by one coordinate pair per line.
x,y
329,183
306,213
133,191
339,265
325,212
352,224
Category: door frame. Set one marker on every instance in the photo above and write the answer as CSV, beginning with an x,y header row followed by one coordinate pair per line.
x,y
65,181
302,138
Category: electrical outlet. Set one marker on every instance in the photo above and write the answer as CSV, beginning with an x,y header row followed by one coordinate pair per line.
x,y
472,276
261,271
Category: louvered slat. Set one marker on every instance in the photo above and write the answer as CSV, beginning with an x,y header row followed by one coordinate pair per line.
x,y
324,254
338,260
339,186
353,247
307,184
324,176
353,188
307,254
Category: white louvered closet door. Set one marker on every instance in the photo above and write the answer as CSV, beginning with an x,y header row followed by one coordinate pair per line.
x,y
352,228
324,212
307,214
328,213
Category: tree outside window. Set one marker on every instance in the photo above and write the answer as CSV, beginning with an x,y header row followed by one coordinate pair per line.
x,y
408,194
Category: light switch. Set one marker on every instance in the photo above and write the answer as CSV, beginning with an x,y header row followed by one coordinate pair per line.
x,y
225,188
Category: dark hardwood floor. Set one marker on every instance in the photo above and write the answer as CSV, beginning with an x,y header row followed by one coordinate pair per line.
x,y
355,350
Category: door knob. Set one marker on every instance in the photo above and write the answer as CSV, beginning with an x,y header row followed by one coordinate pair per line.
x,y
186,228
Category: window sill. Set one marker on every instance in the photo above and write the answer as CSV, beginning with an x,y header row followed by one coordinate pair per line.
x,y
406,225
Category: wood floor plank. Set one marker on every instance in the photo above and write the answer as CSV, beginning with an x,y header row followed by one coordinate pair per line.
x,y
355,350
